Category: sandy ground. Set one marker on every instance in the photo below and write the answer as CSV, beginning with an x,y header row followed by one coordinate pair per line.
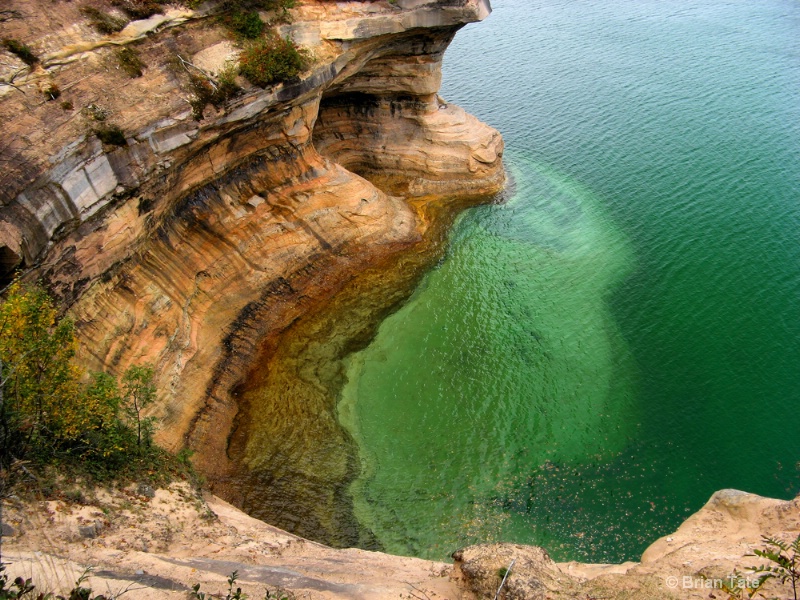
x,y
159,547
158,543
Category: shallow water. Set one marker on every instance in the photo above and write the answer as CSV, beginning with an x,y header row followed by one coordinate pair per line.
x,y
621,338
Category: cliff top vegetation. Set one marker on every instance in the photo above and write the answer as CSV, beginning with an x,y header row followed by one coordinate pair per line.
x,y
55,417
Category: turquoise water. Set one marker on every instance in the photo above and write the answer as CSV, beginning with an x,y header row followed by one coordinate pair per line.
x,y
596,356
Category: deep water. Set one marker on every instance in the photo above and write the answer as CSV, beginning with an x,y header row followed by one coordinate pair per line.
x,y
596,356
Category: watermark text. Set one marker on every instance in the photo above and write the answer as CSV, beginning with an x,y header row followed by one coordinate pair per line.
x,y
687,582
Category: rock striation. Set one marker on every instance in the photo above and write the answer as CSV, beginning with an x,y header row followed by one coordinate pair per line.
x,y
197,245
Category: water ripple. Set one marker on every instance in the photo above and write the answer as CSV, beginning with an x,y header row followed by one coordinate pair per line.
x,y
586,367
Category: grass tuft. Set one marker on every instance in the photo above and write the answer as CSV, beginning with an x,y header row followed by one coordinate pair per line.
x,y
103,22
130,62
206,91
23,52
111,135
139,9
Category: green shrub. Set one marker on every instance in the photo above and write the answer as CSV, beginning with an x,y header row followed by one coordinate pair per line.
x,y
23,52
66,105
271,60
111,135
130,62
217,93
227,87
203,93
103,22
245,24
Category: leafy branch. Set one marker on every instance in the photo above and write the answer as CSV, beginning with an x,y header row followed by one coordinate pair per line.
x,y
784,561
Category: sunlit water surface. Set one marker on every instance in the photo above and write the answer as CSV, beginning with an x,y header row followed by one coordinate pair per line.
x,y
621,338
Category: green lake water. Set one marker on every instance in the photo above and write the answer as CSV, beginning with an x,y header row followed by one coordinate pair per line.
x,y
620,338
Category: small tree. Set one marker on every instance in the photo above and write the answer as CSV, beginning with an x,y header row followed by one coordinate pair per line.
x,y
47,413
38,382
107,437
138,393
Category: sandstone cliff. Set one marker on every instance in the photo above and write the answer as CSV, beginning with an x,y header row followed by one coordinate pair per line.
x,y
244,254
203,247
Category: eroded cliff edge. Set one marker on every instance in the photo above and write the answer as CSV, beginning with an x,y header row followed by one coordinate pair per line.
x,y
157,547
198,244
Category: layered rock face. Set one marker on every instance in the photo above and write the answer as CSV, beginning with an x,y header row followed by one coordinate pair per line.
x,y
198,245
